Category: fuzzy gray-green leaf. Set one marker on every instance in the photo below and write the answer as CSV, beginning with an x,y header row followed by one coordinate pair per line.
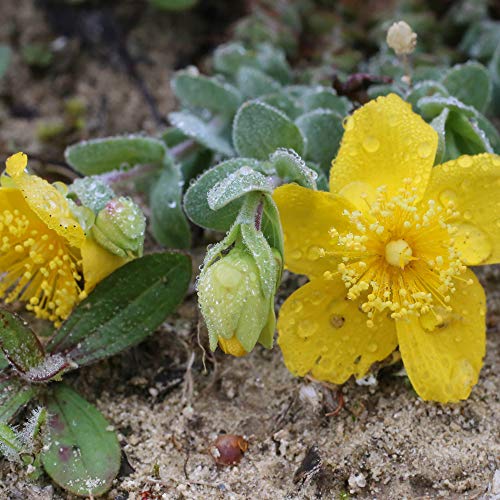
x,y
260,129
102,155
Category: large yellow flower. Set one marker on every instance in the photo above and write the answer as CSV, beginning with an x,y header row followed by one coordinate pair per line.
x,y
45,258
386,253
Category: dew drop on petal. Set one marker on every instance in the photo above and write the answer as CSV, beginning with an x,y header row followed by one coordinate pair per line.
x,y
306,328
473,243
372,347
371,144
348,123
296,254
424,150
448,196
465,161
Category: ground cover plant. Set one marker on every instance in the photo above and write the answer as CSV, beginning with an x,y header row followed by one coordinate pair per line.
x,y
370,166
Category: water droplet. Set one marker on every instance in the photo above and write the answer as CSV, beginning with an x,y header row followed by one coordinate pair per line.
x,y
424,150
315,297
371,144
473,243
296,305
296,254
448,196
306,328
458,339
337,321
467,215
372,347
465,161
392,120
348,123
314,253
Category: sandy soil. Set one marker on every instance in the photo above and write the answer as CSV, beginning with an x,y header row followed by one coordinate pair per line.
x,y
167,408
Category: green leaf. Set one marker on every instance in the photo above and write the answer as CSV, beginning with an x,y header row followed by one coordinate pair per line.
x,y
19,344
195,199
173,4
292,168
260,129
5,57
282,102
470,83
468,138
82,455
426,88
439,125
102,155
10,446
168,222
325,98
203,132
253,83
235,185
124,308
200,91
323,130
14,395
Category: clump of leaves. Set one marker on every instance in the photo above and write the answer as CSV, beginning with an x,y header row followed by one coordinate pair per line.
x,y
77,448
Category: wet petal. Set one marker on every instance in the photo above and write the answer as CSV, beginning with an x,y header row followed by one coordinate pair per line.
x,y
471,185
384,143
322,333
98,263
47,202
307,217
443,356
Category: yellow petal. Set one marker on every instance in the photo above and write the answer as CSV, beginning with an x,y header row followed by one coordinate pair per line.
x,y
443,357
323,333
232,346
47,202
472,185
384,143
16,164
98,263
307,217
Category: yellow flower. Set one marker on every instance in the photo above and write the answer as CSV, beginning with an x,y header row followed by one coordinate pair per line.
x,y
45,258
386,253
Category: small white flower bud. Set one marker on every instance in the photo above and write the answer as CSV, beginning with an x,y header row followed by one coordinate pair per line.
x,y
401,38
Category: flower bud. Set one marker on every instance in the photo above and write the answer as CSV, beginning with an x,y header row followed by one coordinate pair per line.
x,y
120,226
232,301
401,38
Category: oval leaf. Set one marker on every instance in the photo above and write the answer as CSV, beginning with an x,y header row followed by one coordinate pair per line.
x,y
200,91
102,155
168,222
323,130
236,185
83,456
195,199
260,129
124,308
470,83
19,343
204,133
14,395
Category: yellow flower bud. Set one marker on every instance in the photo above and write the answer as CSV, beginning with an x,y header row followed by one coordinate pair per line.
x,y
401,38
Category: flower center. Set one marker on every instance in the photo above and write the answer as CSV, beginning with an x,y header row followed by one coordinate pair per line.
x,y
398,253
